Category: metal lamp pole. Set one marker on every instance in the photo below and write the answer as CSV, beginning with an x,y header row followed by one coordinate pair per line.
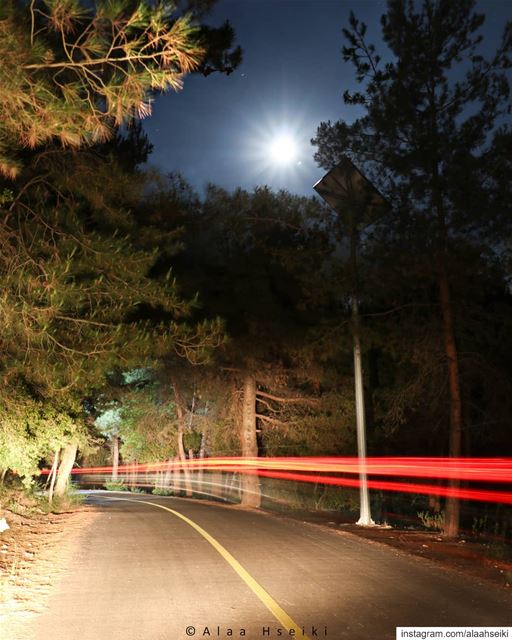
x,y
365,517
348,192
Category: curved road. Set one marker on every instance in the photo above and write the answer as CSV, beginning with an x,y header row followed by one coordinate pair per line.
x,y
196,569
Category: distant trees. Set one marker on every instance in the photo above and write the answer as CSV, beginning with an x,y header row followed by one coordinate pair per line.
x,y
432,137
257,260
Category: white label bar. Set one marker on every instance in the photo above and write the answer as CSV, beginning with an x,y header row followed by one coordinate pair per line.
x,y
449,633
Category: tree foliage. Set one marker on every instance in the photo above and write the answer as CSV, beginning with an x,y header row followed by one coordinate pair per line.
x,y
76,283
72,71
260,261
31,429
78,295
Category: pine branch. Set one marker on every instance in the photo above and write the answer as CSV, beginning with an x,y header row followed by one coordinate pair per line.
x,y
296,400
267,404
273,421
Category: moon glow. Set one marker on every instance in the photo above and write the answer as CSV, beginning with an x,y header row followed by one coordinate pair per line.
x,y
283,150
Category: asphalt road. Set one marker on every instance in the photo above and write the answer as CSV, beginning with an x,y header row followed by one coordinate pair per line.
x,y
144,573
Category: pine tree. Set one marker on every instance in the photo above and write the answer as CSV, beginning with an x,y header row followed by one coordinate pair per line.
x,y
77,294
432,116
73,72
78,297
257,261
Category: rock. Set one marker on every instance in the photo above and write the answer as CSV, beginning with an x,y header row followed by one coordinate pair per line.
x,y
3,525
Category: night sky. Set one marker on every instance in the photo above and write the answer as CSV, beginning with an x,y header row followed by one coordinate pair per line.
x,y
219,129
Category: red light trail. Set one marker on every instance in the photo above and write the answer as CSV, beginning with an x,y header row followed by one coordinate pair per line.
x,y
319,470
383,485
472,469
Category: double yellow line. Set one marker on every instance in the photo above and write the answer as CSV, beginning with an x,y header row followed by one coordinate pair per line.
x,y
279,613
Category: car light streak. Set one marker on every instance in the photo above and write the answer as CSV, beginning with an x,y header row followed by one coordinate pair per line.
x,y
319,470
384,485
471,469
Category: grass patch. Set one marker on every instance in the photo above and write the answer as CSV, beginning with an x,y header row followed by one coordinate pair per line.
x,y
115,485
68,502
31,502
158,491
21,501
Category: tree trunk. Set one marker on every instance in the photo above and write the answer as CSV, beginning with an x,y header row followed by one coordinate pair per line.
x,y
181,448
452,509
183,461
193,471
168,474
251,493
134,476
176,483
66,465
231,490
200,473
53,475
215,483
115,457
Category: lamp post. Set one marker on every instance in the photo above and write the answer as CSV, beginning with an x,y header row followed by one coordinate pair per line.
x,y
357,202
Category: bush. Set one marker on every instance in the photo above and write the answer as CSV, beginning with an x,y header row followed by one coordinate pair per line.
x,y
158,491
433,521
21,500
30,502
69,501
115,485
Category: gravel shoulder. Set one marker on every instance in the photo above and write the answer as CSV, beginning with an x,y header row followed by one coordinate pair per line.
x,y
34,553
488,562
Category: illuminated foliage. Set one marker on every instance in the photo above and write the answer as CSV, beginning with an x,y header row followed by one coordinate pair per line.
x,y
73,71
30,430
76,294
78,298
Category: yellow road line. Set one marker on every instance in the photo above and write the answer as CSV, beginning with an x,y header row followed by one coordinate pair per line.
x,y
255,587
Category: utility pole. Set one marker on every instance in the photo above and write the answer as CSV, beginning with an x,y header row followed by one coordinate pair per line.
x,y
365,516
355,200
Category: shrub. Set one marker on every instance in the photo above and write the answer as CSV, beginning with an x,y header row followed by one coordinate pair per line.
x,y
433,521
115,485
158,491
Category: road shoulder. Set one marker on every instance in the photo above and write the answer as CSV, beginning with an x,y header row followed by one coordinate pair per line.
x,y
35,552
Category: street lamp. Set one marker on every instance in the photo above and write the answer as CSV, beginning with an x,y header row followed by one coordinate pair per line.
x,y
357,203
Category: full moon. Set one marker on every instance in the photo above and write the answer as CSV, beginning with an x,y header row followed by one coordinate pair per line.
x,y
283,150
